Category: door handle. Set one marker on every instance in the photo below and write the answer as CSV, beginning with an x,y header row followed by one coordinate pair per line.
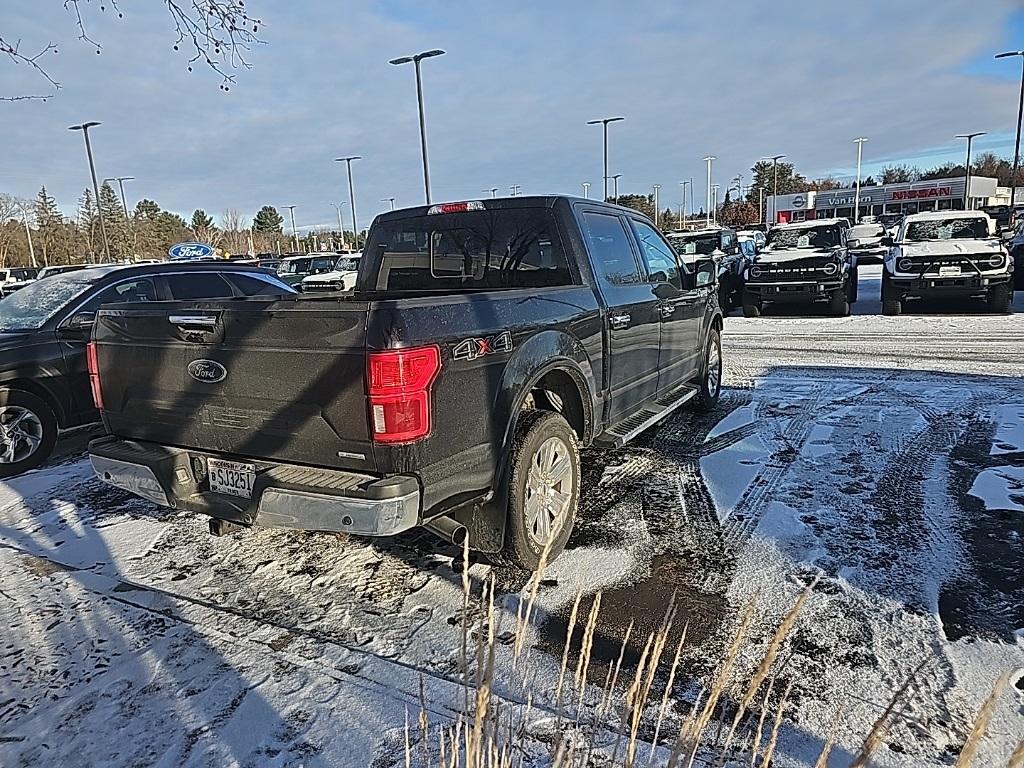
x,y
192,321
667,310
619,321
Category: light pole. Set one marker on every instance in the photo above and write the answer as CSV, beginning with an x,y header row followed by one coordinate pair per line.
x,y
656,214
859,141
352,195
775,184
493,191
120,184
28,235
515,189
615,180
760,205
967,169
682,205
709,159
390,200
415,60
1016,144
586,190
84,128
604,123
714,203
341,221
295,234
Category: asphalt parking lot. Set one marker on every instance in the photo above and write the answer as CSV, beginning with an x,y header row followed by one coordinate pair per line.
x,y
882,455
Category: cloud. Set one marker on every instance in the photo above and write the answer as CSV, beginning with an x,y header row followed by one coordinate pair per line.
x,y
507,104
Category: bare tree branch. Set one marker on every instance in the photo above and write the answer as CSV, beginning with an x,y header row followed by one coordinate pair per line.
x,y
217,33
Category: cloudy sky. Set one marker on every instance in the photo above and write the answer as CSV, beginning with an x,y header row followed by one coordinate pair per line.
x,y
508,103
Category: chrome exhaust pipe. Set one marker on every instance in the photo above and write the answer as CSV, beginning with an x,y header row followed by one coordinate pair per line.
x,y
451,531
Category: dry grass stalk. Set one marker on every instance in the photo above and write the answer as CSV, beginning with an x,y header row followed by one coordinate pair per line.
x,y
772,652
633,690
776,725
463,658
668,692
693,737
583,664
610,690
833,733
442,749
981,722
408,744
424,723
760,722
880,728
685,728
476,747
1017,758
638,705
534,585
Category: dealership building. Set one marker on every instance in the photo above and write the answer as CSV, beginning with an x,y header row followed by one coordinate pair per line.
x,y
903,198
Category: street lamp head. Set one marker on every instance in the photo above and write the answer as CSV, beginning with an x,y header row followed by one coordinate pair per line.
x,y
401,60
605,120
347,159
709,158
1009,53
970,135
860,140
430,54
84,126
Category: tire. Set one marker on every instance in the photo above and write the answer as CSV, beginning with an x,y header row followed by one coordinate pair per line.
x,y
724,298
34,431
853,285
999,298
538,432
751,305
839,306
711,374
892,303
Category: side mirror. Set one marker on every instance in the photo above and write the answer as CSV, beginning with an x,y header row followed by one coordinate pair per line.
x,y
666,291
887,241
707,273
853,243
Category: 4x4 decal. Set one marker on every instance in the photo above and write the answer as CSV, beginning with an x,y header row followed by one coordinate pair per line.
x,y
471,349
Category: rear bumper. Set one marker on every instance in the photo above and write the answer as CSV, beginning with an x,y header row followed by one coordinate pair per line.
x,y
814,290
284,496
965,284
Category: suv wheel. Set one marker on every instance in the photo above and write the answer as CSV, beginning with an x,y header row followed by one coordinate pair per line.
x,y
751,305
711,374
544,489
999,298
839,306
852,285
892,303
28,431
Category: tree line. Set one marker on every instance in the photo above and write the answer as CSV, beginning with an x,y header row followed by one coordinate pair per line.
x,y
37,233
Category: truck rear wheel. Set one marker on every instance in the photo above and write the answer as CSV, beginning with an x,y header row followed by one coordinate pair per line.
x,y
999,298
751,305
892,303
544,489
839,306
28,431
711,374
853,285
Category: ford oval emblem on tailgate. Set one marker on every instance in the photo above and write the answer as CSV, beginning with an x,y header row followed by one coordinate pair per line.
x,y
207,371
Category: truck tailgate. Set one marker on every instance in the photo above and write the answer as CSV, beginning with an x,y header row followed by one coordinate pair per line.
x,y
277,380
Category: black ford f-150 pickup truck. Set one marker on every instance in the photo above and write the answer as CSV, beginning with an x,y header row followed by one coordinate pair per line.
x,y
484,343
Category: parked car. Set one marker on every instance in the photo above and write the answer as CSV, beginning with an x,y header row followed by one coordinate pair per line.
x,y
293,269
759,238
15,278
947,253
44,327
865,242
722,245
484,343
1015,246
271,264
341,278
807,262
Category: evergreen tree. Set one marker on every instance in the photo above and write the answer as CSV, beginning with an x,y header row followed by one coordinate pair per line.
x,y
118,236
200,220
88,225
50,223
268,221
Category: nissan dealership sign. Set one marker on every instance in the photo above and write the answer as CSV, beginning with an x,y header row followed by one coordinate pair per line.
x,y
935,189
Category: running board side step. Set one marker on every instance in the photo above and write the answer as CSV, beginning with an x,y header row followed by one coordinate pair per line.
x,y
621,433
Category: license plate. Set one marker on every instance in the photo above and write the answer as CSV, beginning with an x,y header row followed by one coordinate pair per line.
x,y
231,477
949,271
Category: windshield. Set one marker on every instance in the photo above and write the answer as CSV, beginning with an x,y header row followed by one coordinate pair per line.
x,y
30,308
347,264
823,237
704,244
294,266
947,229
867,231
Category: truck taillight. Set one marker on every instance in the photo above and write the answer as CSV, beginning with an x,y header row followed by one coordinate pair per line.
x,y
94,374
399,389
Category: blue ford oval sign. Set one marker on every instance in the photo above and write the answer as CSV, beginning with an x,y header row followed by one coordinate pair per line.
x,y
190,251
207,371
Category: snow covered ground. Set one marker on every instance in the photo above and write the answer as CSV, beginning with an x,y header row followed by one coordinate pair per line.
x,y
883,455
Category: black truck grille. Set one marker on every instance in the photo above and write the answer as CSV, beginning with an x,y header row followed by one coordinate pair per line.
x,y
790,271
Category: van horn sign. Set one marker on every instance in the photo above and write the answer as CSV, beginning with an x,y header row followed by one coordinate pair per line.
x,y
190,251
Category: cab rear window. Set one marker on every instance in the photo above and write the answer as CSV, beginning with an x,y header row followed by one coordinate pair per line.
x,y
478,249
